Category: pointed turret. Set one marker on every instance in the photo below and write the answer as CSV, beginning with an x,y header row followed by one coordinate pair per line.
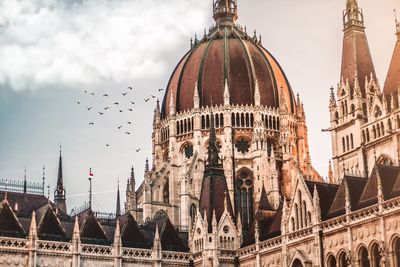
x,y
356,57
225,11
157,115
214,183
118,207
130,204
59,192
392,84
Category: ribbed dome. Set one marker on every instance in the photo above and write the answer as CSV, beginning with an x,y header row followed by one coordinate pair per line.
x,y
227,53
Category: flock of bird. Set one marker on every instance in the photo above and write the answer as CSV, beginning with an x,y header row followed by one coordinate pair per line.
x,y
117,105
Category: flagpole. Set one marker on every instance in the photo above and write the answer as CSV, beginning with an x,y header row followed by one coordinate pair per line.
x,y
90,188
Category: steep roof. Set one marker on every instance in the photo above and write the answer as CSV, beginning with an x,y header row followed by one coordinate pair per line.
x,y
388,176
26,203
9,223
169,236
49,226
131,235
393,76
91,230
326,194
355,186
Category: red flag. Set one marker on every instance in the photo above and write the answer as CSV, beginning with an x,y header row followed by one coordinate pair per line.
x,y
90,173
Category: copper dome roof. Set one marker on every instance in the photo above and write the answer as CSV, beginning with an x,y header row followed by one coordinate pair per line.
x,y
227,53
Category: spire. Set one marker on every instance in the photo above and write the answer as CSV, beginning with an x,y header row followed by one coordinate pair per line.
x,y
397,25
227,96
118,208
90,188
213,159
225,11
196,98
330,173
392,84
147,166
356,57
59,192
76,233
157,115
257,96
25,188
33,228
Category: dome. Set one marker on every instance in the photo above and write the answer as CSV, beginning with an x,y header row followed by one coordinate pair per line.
x,y
227,54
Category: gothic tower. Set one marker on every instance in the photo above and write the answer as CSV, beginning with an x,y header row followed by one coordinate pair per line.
x,y
59,192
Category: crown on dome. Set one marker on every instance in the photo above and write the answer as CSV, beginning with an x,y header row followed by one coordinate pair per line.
x,y
225,11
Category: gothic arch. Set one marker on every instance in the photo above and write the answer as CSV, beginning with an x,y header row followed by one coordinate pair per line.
x,y
375,256
244,188
342,258
385,159
331,260
363,256
394,250
299,259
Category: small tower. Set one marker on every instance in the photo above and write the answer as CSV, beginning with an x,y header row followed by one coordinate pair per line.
x,y
130,204
59,192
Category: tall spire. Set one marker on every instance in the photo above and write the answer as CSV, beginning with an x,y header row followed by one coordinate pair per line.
x,y
225,11
25,182
356,57
59,192
118,208
392,83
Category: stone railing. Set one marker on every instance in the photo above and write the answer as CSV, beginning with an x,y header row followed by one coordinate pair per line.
x,y
104,255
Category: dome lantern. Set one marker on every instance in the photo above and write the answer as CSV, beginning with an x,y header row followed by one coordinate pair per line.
x,y
225,11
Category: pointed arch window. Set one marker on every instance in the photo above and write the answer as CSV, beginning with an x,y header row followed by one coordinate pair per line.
x,y
166,192
244,196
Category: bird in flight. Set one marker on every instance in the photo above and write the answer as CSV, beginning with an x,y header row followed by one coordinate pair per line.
x,y
137,150
121,110
101,113
147,100
91,123
78,102
129,122
119,127
130,88
160,89
127,133
130,109
85,91
88,108
133,103
124,94
116,103
106,108
106,95
153,96
92,94
107,145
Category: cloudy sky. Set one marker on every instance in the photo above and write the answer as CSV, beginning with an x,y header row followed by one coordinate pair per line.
x,y
53,50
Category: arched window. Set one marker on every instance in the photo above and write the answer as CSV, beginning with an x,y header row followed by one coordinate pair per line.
x,y
203,122
396,252
345,107
251,120
305,214
351,141
347,143
221,120
242,120
365,111
331,261
373,132
352,109
193,212
297,263
233,120
336,117
217,120
343,260
375,256
269,122
367,135
363,136
178,131
296,209
382,128
207,121
244,196
343,144
247,120
390,124
166,192
237,120
378,130
363,257
293,225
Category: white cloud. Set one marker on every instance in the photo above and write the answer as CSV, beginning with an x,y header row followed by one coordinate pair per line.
x,y
52,42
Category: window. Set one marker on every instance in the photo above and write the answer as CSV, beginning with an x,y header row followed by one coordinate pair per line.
x,y
363,257
244,196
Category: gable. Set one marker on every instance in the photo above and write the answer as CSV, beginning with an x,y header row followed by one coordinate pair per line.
x,y
92,232
9,223
131,235
50,227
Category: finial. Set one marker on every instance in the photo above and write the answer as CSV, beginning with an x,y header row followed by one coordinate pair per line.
x,y
146,166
